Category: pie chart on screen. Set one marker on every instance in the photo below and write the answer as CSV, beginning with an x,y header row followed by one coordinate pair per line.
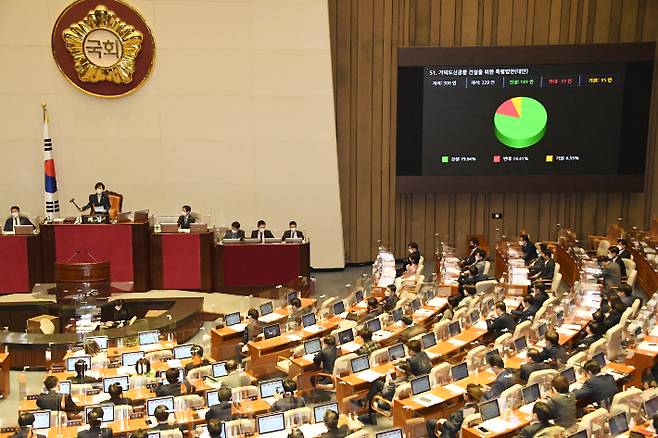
x,y
520,122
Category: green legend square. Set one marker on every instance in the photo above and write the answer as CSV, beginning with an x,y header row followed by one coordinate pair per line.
x,y
445,158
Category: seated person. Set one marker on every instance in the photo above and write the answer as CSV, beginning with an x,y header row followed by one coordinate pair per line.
x,y
471,292
326,358
288,400
197,359
80,370
562,402
223,410
254,326
504,378
548,268
94,420
385,387
292,232
531,365
213,429
373,310
595,331
185,218
529,309
648,379
91,348
391,298
120,311
538,263
541,419
450,427
16,219
116,396
473,273
235,378
143,368
99,202
453,304
625,293
528,248
368,344
51,399
161,414
613,254
25,422
474,245
333,430
599,387
295,312
553,351
617,309
539,293
610,274
419,362
502,322
262,233
234,232
173,386
412,266
410,329
412,248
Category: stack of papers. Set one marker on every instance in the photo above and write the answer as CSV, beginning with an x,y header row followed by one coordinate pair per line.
x,y
565,331
527,409
351,347
313,328
481,324
499,425
270,317
293,337
423,312
309,357
238,327
427,399
437,302
455,389
368,375
312,430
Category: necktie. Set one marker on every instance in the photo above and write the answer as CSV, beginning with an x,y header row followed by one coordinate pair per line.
x,y
262,236
294,234
15,221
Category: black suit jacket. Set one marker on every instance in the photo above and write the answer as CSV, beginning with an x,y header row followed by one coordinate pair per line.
x,y
174,389
529,368
94,202
419,364
221,411
22,220
529,252
498,324
624,254
96,432
548,270
327,357
338,432
268,234
229,235
288,233
24,432
622,266
119,401
528,313
185,221
53,401
532,429
597,388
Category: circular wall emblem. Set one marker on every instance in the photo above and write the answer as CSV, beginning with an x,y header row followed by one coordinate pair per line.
x,y
103,47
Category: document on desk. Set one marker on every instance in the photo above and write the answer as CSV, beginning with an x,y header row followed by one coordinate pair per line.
x,y
649,346
271,317
565,331
481,324
362,305
572,326
423,312
313,328
455,389
309,357
312,430
342,315
456,342
126,371
437,302
351,347
237,327
368,375
427,399
293,337
432,355
150,347
499,425
382,334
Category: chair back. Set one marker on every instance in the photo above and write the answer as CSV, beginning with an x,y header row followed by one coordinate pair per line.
x,y
631,399
244,392
116,203
441,329
122,411
511,398
199,373
459,313
188,401
379,357
557,269
522,329
440,374
597,347
577,358
487,267
602,250
543,378
402,391
624,316
420,281
636,307
502,340
475,303
171,433
539,315
593,421
298,416
615,336
241,427
555,284
325,308
629,264
342,364
485,286
475,354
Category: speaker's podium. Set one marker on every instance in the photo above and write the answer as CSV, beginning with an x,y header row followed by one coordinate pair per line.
x,y
75,279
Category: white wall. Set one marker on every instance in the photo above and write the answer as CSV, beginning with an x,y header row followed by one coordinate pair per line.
x,y
237,118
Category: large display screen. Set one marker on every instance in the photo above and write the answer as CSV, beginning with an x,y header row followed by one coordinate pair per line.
x,y
536,118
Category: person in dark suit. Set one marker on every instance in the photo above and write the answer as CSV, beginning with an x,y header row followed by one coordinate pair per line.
x,y
331,422
94,420
541,419
390,298
613,254
99,202
617,309
262,232
16,219
214,427
80,377
530,308
120,311
292,232
410,329
451,426
326,357
223,410
412,253
288,399
253,328
419,362
598,387
116,396
532,364
553,351
234,232
610,273
173,386
373,310
624,250
504,377
503,321
25,422
548,268
528,248
625,293
474,245
562,402
196,358
185,218
53,400
161,414
539,293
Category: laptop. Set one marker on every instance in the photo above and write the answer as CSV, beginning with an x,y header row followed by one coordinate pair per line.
x,y
219,370
360,363
420,384
232,319
270,423
198,228
21,230
168,227
396,352
130,359
294,240
153,403
149,337
428,340
212,398
397,314
269,388
271,331
374,325
531,394
345,336
489,410
108,412
183,351
454,329
308,319
570,374
266,309
291,295
618,424
650,406
459,372
339,308
392,433
488,305
41,420
358,296
320,410
65,387
475,316
70,362
600,358
520,344
541,330
100,340
312,346
123,381
414,305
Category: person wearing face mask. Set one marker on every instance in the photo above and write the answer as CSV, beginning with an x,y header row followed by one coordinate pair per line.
x,y
234,232
613,254
262,233
99,202
185,218
16,219
610,273
474,245
293,232
529,249
624,251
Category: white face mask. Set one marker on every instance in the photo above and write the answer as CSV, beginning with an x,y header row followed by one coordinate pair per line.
x,y
184,213
234,230
261,228
293,228
99,191
14,214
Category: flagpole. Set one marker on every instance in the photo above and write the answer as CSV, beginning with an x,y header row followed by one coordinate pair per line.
x,y
51,198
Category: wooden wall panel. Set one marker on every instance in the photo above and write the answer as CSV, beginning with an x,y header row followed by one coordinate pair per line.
x,y
365,36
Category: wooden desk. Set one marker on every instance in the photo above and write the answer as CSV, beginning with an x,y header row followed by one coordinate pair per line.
x,y
642,359
514,421
5,367
647,277
20,266
182,261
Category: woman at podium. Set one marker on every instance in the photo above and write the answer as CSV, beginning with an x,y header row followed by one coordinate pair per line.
x,y
99,202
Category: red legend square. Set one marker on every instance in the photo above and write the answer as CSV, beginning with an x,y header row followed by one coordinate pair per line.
x,y
496,158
